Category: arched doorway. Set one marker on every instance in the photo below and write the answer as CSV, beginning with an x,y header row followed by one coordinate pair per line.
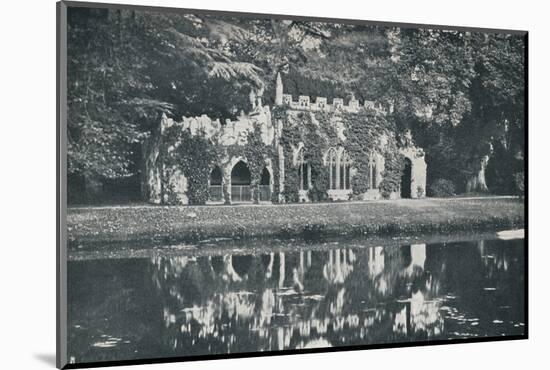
x,y
406,179
216,192
240,183
265,185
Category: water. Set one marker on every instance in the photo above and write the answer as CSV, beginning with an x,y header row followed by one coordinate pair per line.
x,y
322,295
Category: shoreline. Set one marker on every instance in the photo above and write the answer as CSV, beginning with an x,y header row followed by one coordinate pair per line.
x,y
163,225
255,246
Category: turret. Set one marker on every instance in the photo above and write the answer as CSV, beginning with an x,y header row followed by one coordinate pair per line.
x,y
279,90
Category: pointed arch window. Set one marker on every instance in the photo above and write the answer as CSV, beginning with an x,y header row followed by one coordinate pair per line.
x,y
303,170
332,168
373,173
345,163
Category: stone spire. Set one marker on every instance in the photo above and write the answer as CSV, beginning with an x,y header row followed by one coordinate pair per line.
x,y
279,90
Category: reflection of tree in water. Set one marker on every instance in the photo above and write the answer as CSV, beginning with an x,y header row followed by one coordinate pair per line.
x,y
177,306
111,314
295,300
489,281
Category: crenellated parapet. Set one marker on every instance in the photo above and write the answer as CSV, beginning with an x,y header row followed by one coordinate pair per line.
x,y
321,104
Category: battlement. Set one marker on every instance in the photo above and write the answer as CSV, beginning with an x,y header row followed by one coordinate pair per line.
x,y
321,104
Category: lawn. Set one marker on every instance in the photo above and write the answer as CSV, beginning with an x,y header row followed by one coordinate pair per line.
x,y
164,224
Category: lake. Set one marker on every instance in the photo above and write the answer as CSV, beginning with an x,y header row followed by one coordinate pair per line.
x,y
257,296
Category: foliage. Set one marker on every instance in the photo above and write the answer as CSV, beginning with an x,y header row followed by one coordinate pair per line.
x,y
195,155
442,188
256,153
391,176
125,67
317,135
502,169
461,93
520,183
290,138
365,133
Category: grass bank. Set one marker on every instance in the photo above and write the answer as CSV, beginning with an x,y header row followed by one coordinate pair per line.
x,y
160,224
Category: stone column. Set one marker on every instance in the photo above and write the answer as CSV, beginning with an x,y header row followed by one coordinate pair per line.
x,y
337,182
226,182
281,159
309,185
279,90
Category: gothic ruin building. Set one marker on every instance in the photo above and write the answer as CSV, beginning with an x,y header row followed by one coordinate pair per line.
x,y
284,168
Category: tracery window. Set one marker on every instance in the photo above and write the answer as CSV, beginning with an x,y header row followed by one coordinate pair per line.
x,y
345,163
303,170
338,170
332,168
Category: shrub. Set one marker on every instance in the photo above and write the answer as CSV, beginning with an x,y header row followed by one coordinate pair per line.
x,y
442,188
519,181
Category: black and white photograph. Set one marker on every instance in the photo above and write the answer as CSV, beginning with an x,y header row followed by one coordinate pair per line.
x,y
236,184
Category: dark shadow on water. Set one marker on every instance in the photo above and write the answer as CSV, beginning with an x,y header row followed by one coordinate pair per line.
x,y
292,295
47,358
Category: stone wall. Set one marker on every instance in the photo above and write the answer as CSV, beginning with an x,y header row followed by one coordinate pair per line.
x,y
230,133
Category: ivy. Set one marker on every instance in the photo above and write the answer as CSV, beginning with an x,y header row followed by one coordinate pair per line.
x,y
363,131
393,170
305,128
256,154
195,155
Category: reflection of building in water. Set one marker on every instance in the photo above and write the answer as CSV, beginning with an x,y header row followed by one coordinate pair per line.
x,y
376,260
418,258
297,300
182,306
229,272
315,343
494,258
419,315
425,316
281,269
338,266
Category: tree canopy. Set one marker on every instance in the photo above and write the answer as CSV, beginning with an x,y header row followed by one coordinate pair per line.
x,y
461,93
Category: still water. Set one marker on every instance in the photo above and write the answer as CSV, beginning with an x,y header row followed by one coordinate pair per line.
x,y
334,294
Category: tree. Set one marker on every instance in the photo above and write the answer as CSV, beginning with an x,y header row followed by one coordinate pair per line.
x,y
125,68
462,92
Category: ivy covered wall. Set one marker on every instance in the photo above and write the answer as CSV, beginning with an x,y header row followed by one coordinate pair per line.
x,y
363,135
185,157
